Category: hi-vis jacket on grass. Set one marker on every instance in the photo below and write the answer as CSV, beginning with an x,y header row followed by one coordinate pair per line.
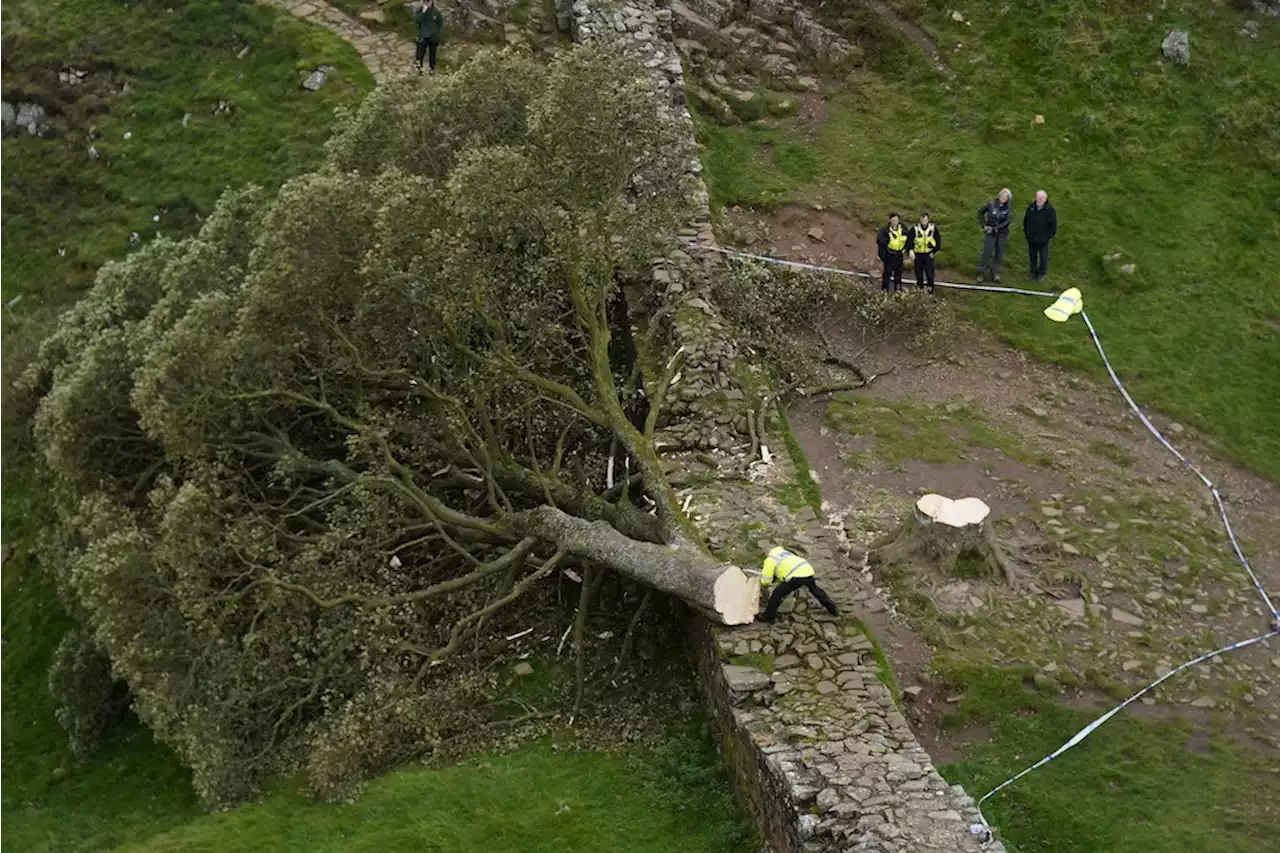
x,y
1070,302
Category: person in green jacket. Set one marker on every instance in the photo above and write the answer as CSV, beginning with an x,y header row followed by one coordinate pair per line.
x,y
430,25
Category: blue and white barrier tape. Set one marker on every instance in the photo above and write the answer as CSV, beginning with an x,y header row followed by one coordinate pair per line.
x,y
983,830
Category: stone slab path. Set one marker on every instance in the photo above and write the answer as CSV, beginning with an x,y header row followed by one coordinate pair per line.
x,y
387,55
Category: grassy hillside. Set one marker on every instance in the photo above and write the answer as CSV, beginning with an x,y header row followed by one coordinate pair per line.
x,y
1177,168
1139,785
538,800
65,213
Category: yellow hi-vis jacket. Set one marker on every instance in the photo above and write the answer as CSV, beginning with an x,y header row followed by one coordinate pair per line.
x,y
925,240
1070,302
897,239
782,565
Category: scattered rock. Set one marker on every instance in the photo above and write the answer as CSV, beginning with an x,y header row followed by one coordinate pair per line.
x,y
1050,511
373,16
1128,269
826,688
1068,548
1177,428
1124,617
1130,665
317,78
816,233
912,692
827,799
745,679
1163,668
1039,119
1177,47
1046,683
957,17
1203,702
523,668
1249,29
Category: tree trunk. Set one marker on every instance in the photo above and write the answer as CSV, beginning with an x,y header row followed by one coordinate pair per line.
x,y
955,538
723,592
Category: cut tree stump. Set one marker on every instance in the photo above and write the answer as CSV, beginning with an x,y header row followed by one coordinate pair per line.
x,y
954,537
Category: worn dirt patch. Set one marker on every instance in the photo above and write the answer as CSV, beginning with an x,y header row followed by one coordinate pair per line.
x,y
1117,525
796,232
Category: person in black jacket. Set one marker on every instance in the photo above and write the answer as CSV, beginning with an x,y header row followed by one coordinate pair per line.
x,y
995,217
923,241
1040,224
892,245
430,23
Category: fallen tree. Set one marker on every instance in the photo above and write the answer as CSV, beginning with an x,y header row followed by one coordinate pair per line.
x,y
304,456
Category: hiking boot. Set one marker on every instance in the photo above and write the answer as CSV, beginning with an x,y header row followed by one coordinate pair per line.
x,y
981,279
996,279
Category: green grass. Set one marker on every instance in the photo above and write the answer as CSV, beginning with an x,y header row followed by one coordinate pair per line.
x,y
536,800
1176,168
1131,787
904,430
805,491
65,214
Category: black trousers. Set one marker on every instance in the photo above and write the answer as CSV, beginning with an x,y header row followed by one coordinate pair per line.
x,y
926,268
892,269
1039,259
428,49
787,587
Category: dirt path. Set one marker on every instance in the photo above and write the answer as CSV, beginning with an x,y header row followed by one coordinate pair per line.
x,y
386,54
1127,569
917,35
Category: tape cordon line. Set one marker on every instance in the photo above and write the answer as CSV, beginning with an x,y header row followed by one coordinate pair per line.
x,y
1068,304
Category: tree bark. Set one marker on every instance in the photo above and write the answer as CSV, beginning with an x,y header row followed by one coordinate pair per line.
x,y
721,591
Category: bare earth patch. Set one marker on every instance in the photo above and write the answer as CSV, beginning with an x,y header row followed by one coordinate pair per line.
x,y
1125,569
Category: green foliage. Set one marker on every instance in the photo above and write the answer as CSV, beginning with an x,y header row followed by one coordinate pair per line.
x,y
1132,786
1176,168
90,700
242,426
776,308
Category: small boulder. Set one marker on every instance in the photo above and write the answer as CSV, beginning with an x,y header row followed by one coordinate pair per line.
x,y
523,668
745,679
1177,47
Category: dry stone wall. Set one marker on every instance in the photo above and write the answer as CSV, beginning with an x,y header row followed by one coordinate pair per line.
x,y
822,756
707,400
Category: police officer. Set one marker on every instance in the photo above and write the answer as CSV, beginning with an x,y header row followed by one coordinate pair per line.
x,y
791,572
925,240
892,244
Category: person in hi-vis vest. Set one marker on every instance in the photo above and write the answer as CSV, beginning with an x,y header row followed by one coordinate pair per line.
x,y
891,243
924,240
791,572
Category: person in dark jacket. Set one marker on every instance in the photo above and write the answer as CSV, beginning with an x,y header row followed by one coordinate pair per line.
x,y
923,241
1040,224
892,245
430,23
995,217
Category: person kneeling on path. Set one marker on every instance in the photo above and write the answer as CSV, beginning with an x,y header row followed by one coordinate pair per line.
x,y
994,217
892,243
791,571
430,23
925,240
